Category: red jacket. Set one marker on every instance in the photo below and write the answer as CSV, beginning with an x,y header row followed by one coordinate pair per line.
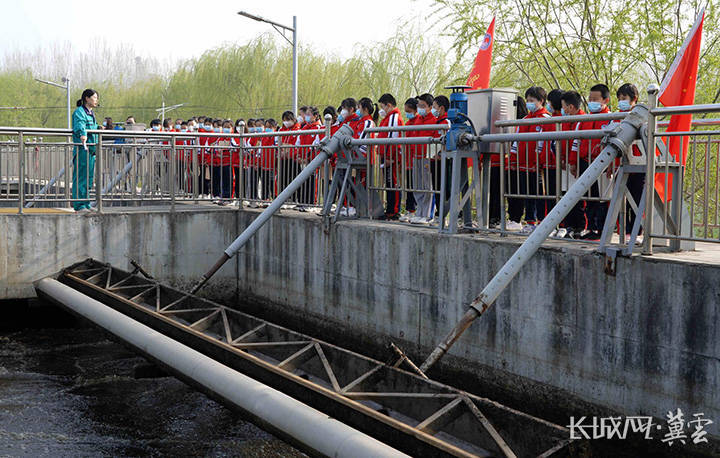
x,y
587,150
205,157
268,154
289,140
391,119
307,151
525,155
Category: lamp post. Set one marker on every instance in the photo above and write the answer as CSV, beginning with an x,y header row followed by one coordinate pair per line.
x,y
65,80
281,28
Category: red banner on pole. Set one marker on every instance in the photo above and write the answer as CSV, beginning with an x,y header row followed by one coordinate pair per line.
x,y
479,77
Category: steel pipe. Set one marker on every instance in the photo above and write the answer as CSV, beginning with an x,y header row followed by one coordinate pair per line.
x,y
623,136
327,148
563,119
307,427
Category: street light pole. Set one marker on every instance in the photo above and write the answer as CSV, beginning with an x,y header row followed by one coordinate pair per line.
x,y
292,29
65,80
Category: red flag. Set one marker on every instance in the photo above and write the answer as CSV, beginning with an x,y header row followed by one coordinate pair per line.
x,y
678,88
479,77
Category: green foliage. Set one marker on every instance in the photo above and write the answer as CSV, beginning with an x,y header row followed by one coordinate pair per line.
x,y
573,44
250,80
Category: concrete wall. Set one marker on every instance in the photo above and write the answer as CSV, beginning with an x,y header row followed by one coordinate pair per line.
x,y
565,338
177,248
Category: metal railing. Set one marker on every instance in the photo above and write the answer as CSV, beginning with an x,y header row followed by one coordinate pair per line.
x,y
134,168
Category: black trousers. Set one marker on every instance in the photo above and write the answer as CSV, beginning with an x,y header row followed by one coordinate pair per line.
x,y
550,177
222,181
495,195
267,184
635,184
522,182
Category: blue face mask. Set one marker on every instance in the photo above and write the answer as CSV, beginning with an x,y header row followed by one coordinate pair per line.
x,y
624,105
549,108
201,126
268,129
435,112
341,118
531,106
177,126
216,130
227,130
409,115
594,107
562,112
308,119
155,128
358,112
421,112
104,124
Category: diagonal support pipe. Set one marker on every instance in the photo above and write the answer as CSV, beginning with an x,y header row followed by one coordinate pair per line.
x,y
327,148
616,143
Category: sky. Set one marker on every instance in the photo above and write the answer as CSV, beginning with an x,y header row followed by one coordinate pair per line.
x,y
180,29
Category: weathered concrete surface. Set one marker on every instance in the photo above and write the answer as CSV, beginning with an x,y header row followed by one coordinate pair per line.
x,y
176,248
564,339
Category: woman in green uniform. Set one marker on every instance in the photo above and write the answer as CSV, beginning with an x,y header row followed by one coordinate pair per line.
x,y
84,156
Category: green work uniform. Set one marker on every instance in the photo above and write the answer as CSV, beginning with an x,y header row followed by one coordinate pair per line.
x,y
83,160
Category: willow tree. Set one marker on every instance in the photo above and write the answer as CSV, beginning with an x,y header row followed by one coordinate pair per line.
x,y
575,43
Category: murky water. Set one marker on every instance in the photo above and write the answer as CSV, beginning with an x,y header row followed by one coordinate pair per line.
x,y
68,391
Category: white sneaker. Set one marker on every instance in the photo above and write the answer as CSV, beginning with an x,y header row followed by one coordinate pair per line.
x,y
553,233
527,229
416,219
562,232
343,211
351,211
406,217
513,226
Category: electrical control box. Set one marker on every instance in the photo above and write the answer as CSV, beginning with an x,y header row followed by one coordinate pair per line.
x,y
485,107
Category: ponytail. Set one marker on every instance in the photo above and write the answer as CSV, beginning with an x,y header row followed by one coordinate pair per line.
x,y
87,93
376,113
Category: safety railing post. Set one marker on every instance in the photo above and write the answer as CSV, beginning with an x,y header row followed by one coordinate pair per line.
x,y
326,166
650,171
21,176
98,175
173,162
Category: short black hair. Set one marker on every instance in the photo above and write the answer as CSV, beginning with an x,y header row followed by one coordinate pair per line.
x,y
629,90
387,99
572,98
427,98
443,101
536,92
555,98
330,110
520,107
412,103
602,89
155,122
288,116
349,103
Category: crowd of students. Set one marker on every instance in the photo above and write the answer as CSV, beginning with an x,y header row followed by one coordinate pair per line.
x,y
532,166
263,165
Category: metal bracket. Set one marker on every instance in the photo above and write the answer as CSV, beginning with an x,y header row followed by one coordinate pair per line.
x,y
611,261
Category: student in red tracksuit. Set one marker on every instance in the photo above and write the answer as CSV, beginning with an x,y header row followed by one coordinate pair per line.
x,y
627,96
204,157
426,202
390,155
526,156
307,152
222,163
182,160
268,161
575,222
583,152
237,152
413,154
548,161
287,167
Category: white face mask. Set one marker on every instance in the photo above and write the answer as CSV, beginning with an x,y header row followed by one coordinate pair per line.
x,y
382,112
288,124
344,113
